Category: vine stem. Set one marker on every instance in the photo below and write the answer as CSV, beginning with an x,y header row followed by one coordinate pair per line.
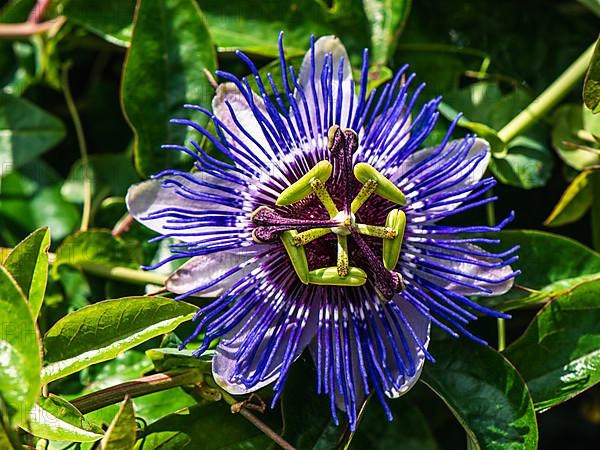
x,y
87,182
250,417
136,388
491,220
123,274
549,98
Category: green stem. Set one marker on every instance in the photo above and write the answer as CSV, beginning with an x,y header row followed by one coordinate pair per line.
x,y
87,182
491,220
549,98
136,388
123,274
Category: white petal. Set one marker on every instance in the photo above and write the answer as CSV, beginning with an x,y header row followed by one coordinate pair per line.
x,y
420,325
149,197
228,92
201,270
473,269
225,360
323,46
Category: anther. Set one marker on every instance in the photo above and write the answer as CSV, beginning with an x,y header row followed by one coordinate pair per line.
x,y
302,188
395,220
385,188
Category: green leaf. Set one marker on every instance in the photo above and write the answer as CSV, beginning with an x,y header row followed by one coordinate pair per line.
x,y
170,48
111,19
573,136
409,430
574,202
559,353
19,350
254,25
49,208
98,247
527,165
26,131
485,393
208,426
549,263
387,19
165,359
121,433
28,264
306,415
56,419
591,85
109,175
101,331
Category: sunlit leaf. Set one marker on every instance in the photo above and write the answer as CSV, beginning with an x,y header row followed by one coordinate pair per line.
x,y
101,331
28,264
19,350
121,433
574,202
559,354
56,419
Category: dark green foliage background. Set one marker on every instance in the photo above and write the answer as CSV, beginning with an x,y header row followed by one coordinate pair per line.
x,y
489,59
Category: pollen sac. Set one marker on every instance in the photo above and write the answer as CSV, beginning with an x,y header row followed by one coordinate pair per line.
x,y
396,220
328,276
385,188
302,188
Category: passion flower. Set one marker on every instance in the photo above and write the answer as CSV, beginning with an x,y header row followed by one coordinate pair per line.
x,y
318,227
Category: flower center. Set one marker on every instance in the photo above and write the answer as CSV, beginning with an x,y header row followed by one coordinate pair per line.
x,y
304,224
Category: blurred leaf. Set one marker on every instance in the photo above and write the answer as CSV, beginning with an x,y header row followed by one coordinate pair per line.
x,y
56,419
28,264
209,426
110,19
165,359
594,5
253,25
97,247
51,209
485,393
170,48
109,175
387,19
19,350
26,131
528,164
591,85
121,433
559,353
573,136
101,331
574,202
409,430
